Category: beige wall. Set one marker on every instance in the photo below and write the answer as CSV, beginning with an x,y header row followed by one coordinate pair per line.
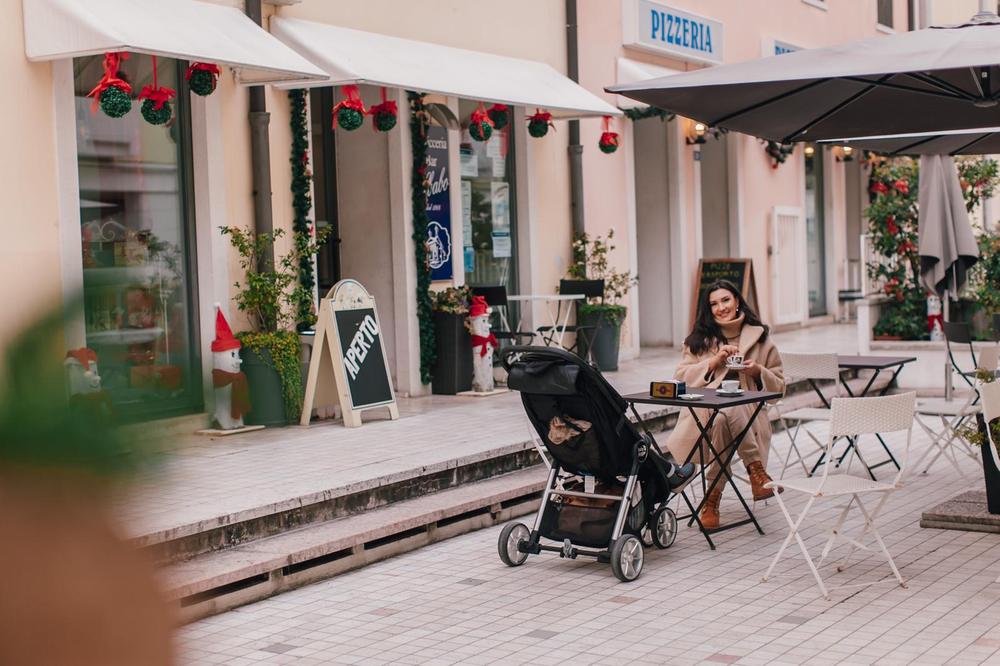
x,y
30,271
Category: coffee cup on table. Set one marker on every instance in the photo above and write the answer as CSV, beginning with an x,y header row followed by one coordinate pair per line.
x,y
734,360
730,385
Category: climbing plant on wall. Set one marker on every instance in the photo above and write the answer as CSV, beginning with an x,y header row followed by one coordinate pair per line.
x,y
302,229
419,120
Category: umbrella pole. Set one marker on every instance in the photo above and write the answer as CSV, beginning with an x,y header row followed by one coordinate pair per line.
x,y
947,365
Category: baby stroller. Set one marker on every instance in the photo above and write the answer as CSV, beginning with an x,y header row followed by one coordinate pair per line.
x,y
608,488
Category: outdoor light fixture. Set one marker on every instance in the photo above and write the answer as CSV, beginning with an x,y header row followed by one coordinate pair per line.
x,y
809,150
699,135
848,153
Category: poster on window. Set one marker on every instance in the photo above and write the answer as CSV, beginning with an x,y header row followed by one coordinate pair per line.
x,y
438,204
500,204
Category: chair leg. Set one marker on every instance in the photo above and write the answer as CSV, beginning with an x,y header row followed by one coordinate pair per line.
x,y
835,532
870,526
793,533
792,447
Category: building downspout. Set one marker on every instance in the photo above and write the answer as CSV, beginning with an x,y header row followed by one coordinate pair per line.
x,y
260,153
575,148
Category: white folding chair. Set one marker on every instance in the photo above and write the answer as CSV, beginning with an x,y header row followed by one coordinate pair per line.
x,y
953,414
850,417
811,367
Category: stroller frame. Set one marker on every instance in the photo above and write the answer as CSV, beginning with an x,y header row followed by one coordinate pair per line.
x,y
624,548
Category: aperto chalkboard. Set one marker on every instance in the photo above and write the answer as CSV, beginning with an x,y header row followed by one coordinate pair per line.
x,y
364,364
737,271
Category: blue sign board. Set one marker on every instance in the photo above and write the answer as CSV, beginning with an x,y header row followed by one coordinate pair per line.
x,y
438,204
653,26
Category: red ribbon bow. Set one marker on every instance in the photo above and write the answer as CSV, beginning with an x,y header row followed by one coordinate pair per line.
x,y
112,62
544,116
387,106
481,341
353,100
206,66
608,138
480,116
160,95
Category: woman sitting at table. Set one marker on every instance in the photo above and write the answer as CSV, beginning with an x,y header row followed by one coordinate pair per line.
x,y
725,326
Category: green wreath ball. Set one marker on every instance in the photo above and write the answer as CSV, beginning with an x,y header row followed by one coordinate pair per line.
x,y
499,117
607,148
538,128
481,131
115,102
153,115
385,121
202,82
349,119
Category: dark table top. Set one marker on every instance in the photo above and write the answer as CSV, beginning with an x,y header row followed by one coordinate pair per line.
x,y
712,399
872,362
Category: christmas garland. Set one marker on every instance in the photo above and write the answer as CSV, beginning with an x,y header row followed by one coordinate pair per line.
x,y
302,205
419,119
778,152
649,112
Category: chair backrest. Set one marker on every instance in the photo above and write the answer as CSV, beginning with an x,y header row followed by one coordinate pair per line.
x,y
496,296
989,358
587,288
958,333
990,394
850,417
803,365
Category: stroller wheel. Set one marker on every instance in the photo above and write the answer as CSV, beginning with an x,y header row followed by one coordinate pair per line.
x,y
507,545
626,558
664,527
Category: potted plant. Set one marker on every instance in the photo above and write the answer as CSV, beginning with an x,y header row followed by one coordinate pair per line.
x,y
452,369
269,296
606,314
977,437
984,281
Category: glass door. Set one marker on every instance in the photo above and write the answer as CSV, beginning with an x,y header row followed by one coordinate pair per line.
x,y
815,231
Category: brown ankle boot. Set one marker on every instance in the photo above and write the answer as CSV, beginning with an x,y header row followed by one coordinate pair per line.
x,y
709,515
758,477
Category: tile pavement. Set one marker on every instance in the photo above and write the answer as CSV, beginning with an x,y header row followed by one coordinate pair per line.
x,y
455,603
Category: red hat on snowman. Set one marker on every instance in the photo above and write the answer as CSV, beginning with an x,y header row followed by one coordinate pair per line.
x,y
478,308
224,340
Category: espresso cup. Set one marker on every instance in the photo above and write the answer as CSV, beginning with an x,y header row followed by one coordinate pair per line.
x,y
734,359
730,385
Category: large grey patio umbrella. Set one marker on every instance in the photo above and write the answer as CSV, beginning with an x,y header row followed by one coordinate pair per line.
x,y
922,81
947,246
981,141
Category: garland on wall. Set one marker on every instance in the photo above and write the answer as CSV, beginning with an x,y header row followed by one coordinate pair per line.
x,y
419,120
778,152
648,112
302,205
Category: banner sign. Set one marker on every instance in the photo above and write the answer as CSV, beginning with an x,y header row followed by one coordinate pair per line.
x,y
653,26
438,204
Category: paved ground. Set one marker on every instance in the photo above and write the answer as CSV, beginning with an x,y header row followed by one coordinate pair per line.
x,y
261,471
455,603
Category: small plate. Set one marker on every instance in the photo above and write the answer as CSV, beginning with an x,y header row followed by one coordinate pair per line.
x,y
730,366
691,396
722,392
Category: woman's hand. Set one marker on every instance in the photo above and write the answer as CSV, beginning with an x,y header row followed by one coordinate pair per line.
x,y
751,369
725,351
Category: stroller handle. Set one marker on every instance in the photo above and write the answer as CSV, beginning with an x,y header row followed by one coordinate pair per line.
x,y
510,355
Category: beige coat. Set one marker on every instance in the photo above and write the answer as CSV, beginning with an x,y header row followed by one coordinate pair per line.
x,y
693,370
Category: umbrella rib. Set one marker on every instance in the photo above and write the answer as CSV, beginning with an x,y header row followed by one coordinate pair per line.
x,y
754,107
896,86
940,84
902,151
979,86
970,144
836,109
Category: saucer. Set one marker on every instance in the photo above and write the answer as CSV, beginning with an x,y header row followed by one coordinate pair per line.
x,y
723,392
730,366
691,396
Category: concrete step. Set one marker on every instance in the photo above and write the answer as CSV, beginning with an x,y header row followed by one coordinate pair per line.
x,y
229,530
218,581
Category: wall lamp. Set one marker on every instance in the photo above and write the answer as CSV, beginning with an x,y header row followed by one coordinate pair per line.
x,y
846,154
699,135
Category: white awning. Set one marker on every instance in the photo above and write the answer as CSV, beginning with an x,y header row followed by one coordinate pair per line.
x,y
183,29
632,71
352,56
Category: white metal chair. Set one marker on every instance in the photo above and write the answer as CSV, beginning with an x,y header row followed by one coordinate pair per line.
x,y
953,414
850,417
811,367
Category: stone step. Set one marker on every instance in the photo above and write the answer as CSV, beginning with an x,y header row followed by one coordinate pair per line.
x,y
218,581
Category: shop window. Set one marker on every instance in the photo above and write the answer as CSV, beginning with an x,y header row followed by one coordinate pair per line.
x,y
136,215
489,229
815,230
885,13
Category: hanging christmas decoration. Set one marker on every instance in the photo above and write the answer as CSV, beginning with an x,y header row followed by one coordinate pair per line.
x,y
480,124
500,115
778,152
539,123
419,120
156,107
609,140
384,115
349,113
112,93
202,77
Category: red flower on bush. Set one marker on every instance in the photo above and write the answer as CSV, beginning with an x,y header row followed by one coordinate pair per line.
x,y
906,246
879,188
902,186
890,224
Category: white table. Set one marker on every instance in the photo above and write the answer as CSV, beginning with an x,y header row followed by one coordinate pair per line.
x,y
557,317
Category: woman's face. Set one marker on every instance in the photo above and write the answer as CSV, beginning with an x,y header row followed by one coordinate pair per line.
x,y
723,305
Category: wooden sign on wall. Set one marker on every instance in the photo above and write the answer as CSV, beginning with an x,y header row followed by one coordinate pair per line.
x,y
737,271
349,366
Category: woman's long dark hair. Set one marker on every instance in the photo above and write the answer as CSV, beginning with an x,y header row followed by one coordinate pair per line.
x,y
706,333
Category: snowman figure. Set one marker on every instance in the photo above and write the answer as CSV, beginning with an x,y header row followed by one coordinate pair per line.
x,y
483,344
81,372
232,393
